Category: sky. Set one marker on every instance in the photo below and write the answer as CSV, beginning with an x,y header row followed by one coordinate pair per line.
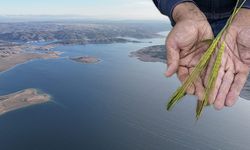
x,y
99,9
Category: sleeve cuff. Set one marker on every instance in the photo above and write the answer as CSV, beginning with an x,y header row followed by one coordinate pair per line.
x,y
166,7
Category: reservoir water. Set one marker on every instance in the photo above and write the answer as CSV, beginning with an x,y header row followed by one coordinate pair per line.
x,y
118,103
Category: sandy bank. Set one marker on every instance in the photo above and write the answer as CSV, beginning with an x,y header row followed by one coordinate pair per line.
x,y
21,99
12,60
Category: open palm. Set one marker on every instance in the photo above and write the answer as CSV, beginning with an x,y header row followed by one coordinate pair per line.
x,y
185,48
234,68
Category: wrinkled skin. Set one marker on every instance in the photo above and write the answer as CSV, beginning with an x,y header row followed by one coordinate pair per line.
x,y
184,49
234,69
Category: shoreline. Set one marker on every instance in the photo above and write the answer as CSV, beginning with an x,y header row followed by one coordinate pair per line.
x,y
17,65
154,53
13,61
22,99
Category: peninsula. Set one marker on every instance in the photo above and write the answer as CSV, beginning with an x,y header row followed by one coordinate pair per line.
x,y
22,99
12,54
156,53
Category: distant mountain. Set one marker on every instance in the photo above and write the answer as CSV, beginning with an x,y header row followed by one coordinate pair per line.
x,y
84,33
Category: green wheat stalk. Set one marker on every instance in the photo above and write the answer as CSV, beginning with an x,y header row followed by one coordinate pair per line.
x,y
211,81
200,67
180,92
214,73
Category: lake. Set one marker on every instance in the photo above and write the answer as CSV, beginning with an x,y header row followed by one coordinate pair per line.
x,y
118,103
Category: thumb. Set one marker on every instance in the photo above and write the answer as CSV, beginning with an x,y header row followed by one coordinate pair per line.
x,y
173,57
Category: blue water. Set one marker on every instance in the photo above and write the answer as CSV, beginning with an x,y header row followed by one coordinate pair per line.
x,y
118,104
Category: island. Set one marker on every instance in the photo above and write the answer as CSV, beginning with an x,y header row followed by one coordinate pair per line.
x,y
22,99
156,53
86,59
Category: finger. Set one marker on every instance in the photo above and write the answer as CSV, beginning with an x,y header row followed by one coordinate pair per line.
x,y
173,57
191,88
209,69
216,88
218,80
238,84
199,88
211,64
173,61
224,89
227,81
182,74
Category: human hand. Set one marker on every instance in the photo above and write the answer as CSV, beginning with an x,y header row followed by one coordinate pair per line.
x,y
184,46
235,64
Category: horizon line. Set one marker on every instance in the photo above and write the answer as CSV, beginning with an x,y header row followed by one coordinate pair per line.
x,y
66,17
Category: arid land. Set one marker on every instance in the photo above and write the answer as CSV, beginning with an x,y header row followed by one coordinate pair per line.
x,y
22,99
